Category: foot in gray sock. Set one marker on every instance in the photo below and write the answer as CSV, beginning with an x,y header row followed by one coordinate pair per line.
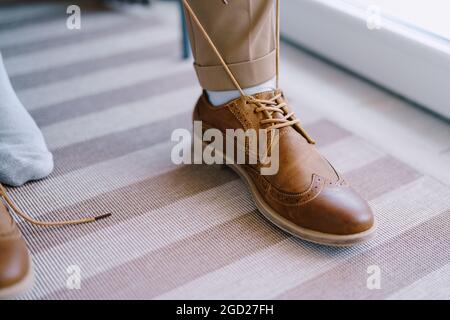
x,y
23,153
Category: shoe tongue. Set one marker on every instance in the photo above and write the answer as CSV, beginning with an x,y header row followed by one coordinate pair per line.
x,y
266,95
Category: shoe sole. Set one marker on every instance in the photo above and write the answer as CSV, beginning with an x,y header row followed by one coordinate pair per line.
x,y
19,288
297,231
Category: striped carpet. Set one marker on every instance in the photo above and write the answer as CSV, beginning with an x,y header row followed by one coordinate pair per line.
x,y
107,98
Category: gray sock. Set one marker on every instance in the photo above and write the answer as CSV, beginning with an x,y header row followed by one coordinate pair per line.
x,y
23,153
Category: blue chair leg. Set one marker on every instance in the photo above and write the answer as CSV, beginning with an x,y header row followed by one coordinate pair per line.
x,y
184,32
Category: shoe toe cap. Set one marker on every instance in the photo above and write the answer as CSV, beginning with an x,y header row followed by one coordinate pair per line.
x,y
337,210
14,262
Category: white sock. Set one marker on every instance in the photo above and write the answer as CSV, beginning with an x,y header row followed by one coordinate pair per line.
x,y
218,98
23,153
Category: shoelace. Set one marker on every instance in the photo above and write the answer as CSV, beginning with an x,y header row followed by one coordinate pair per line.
x,y
267,107
26,217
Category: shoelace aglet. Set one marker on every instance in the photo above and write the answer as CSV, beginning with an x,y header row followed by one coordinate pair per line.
x,y
307,136
103,216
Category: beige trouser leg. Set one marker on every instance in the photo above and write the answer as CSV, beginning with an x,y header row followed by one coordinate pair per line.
x,y
243,32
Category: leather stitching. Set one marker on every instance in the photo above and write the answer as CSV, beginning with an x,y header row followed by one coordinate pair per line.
x,y
235,110
318,183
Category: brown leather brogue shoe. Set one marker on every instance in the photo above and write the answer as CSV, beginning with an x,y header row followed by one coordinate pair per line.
x,y
307,197
16,274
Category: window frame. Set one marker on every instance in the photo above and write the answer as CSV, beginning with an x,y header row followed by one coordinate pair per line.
x,y
403,59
